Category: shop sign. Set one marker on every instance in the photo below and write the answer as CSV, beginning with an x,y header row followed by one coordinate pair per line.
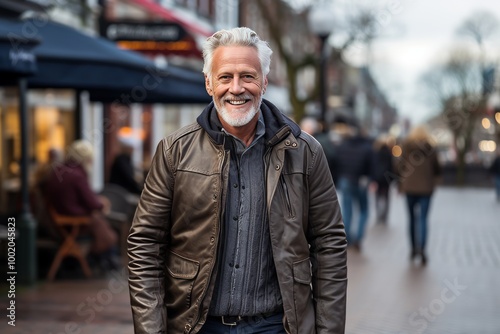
x,y
15,58
143,31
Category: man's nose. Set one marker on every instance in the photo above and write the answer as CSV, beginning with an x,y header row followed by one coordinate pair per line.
x,y
237,86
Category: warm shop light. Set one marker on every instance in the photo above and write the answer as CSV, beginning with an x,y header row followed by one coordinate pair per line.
x,y
486,123
487,146
397,151
497,117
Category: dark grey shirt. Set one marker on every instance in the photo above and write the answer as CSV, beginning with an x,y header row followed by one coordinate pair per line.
x,y
247,283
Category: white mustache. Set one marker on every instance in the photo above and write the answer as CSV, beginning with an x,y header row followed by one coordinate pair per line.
x,y
237,97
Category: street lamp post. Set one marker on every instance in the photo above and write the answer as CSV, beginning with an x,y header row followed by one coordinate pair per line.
x,y
320,22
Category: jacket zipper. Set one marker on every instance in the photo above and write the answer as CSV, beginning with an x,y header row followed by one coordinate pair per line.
x,y
287,196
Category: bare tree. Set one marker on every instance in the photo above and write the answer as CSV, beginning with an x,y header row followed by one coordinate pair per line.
x,y
457,88
482,26
479,26
289,30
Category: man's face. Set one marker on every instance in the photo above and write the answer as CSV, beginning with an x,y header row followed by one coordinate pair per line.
x,y
236,84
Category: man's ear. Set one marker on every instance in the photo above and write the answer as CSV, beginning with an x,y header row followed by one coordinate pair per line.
x,y
208,87
264,88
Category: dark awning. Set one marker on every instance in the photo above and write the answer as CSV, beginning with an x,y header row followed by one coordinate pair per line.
x,y
68,58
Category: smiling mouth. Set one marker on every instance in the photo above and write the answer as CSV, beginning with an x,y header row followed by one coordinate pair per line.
x,y
237,102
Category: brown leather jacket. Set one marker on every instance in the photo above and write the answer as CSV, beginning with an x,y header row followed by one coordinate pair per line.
x,y
174,238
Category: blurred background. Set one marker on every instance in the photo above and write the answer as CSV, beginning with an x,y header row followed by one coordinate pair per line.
x,y
128,72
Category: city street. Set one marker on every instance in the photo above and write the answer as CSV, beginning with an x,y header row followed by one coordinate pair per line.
x,y
457,292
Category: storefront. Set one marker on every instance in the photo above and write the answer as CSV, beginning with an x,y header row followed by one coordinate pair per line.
x,y
52,127
83,87
166,36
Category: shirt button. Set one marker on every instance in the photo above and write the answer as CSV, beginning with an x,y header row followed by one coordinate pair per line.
x,y
212,240
242,187
235,185
287,143
277,167
230,264
294,144
235,218
237,266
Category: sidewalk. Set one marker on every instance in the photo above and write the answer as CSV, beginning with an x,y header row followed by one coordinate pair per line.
x,y
457,292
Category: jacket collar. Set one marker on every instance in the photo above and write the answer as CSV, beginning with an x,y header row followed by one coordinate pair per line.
x,y
277,124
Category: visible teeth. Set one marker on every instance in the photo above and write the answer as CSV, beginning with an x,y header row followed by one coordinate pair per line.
x,y
237,102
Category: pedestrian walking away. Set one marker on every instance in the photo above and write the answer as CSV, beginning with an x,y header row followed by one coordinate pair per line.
x,y
238,227
383,171
354,163
419,171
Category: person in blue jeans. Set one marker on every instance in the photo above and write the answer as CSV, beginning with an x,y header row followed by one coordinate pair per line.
x,y
418,171
418,209
354,196
355,171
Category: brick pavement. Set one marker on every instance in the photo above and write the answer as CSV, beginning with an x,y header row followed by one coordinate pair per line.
x,y
455,293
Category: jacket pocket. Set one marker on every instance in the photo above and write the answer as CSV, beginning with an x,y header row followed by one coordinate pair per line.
x,y
302,296
302,271
180,278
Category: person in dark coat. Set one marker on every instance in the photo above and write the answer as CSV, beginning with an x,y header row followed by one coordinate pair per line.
x,y
122,169
354,166
314,128
383,169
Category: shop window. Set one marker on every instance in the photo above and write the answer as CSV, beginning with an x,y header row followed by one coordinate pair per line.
x,y
51,124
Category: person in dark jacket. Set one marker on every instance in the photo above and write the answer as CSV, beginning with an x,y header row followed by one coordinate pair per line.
x,y
122,170
383,171
238,228
314,128
354,163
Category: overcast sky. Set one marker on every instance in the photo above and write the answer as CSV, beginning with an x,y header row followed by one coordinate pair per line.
x,y
413,35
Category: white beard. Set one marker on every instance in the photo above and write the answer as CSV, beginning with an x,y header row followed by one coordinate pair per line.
x,y
236,118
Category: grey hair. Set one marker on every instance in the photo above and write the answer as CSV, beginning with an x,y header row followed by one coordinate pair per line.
x,y
241,36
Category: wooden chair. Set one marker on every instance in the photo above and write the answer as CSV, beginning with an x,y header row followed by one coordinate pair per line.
x,y
69,228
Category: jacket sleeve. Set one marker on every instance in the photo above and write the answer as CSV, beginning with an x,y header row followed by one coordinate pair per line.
x,y
147,243
327,250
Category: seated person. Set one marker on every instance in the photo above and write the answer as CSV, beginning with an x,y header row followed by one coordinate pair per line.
x,y
68,191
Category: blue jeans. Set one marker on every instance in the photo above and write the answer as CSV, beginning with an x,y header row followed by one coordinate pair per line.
x,y
254,325
418,210
353,194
